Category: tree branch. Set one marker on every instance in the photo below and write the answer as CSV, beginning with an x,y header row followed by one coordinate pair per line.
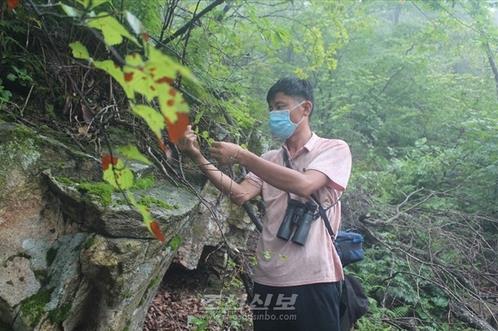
x,y
185,28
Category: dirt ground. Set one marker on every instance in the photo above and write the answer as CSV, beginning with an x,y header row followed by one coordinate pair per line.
x,y
197,300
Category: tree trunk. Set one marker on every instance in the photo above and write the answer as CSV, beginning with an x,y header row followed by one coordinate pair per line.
x,y
492,64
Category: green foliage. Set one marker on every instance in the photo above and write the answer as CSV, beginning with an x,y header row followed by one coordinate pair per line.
x,y
110,27
144,72
227,314
175,242
79,50
153,119
199,324
131,152
151,201
396,293
226,311
59,315
119,176
5,95
407,84
18,67
19,75
33,308
145,182
99,191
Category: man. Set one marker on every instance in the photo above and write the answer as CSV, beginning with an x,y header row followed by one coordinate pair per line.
x,y
296,286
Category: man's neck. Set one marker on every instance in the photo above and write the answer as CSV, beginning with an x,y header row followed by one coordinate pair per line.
x,y
298,139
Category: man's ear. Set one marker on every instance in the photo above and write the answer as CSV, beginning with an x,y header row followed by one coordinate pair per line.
x,y
308,106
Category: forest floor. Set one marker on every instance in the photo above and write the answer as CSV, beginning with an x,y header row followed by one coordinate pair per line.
x,y
200,300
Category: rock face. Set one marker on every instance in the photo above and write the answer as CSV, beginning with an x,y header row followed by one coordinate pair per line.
x,y
74,256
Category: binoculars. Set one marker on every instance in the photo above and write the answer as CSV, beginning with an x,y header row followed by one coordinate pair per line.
x,y
298,218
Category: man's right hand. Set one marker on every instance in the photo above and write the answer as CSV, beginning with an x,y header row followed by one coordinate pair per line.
x,y
188,144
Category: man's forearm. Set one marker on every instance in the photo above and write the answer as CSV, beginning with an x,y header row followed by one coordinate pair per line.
x,y
283,178
223,182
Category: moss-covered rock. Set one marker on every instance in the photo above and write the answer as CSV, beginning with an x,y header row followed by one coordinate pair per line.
x,y
59,315
33,308
19,152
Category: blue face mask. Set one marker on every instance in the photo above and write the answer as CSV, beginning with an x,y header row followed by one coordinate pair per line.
x,y
281,125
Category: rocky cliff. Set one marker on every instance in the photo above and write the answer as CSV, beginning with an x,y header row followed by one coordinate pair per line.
x,y
73,254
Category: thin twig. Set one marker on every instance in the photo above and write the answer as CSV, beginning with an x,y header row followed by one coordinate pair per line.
x,y
26,101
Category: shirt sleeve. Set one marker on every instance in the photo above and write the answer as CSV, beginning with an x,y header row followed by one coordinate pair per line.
x,y
253,178
335,163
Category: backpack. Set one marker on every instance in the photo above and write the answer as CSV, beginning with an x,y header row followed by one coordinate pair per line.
x,y
353,304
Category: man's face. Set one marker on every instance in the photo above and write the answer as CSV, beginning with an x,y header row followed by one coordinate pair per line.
x,y
282,101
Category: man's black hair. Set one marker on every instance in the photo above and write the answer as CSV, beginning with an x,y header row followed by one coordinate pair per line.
x,y
294,87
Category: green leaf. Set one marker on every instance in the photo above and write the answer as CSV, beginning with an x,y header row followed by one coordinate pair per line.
x,y
175,242
96,3
110,27
138,78
134,23
92,3
154,119
144,211
115,71
171,102
131,152
169,65
119,176
79,50
71,11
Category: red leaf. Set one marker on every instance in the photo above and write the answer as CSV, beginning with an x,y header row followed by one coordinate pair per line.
x,y
165,80
145,36
12,4
107,160
154,226
128,76
177,130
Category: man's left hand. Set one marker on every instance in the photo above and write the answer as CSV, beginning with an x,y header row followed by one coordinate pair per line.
x,y
225,153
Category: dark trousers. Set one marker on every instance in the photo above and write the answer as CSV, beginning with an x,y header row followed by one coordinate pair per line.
x,y
312,307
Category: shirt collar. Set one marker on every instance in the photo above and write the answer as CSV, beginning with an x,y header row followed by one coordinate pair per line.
x,y
309,145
